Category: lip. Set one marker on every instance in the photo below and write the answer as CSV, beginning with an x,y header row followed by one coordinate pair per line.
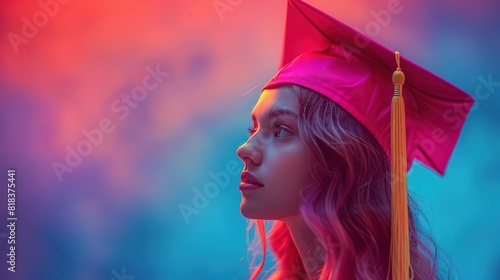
x,y
249,182
247,186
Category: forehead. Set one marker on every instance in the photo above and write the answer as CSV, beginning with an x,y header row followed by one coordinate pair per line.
x,y
271,99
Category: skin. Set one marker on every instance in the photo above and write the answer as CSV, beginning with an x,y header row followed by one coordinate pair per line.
x,y
276,156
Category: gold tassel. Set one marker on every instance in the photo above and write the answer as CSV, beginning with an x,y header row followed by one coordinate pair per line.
x,y
400,243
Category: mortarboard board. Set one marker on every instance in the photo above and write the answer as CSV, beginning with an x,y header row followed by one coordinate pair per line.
x,y
327,56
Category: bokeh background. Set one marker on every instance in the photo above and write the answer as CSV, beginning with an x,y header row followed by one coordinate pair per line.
x,y
117,213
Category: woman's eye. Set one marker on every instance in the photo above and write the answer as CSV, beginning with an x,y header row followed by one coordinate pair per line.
x,y
281,130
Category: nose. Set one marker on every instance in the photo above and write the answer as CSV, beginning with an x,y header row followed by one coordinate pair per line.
x,y
249,153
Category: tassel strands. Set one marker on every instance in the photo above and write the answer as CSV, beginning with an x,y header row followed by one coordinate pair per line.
x,y
400,244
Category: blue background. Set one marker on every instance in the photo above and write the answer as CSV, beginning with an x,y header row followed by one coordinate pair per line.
x,y
117,213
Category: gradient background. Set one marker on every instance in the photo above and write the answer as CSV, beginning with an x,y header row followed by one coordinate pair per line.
x,y
117,213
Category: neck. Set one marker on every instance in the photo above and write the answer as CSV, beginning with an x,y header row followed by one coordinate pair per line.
x,y
310,250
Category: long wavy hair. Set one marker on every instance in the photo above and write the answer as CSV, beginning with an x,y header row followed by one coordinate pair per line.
x,y
348,205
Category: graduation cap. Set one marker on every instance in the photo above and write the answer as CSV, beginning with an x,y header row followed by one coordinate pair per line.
x,y
366,79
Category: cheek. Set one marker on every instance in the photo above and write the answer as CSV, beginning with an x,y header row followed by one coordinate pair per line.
x,y
290,170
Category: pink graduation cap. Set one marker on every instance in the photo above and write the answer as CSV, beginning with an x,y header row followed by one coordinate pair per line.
x,y
327,56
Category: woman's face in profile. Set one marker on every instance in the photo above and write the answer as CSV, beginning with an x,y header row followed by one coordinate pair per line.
x,y
275,159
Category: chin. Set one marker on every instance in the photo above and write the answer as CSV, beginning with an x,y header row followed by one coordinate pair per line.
x,y
248,211
255,211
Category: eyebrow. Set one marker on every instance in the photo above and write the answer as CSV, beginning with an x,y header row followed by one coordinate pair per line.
x,y
275,112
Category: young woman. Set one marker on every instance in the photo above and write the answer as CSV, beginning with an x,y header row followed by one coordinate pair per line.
x,y
325,181
318,159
